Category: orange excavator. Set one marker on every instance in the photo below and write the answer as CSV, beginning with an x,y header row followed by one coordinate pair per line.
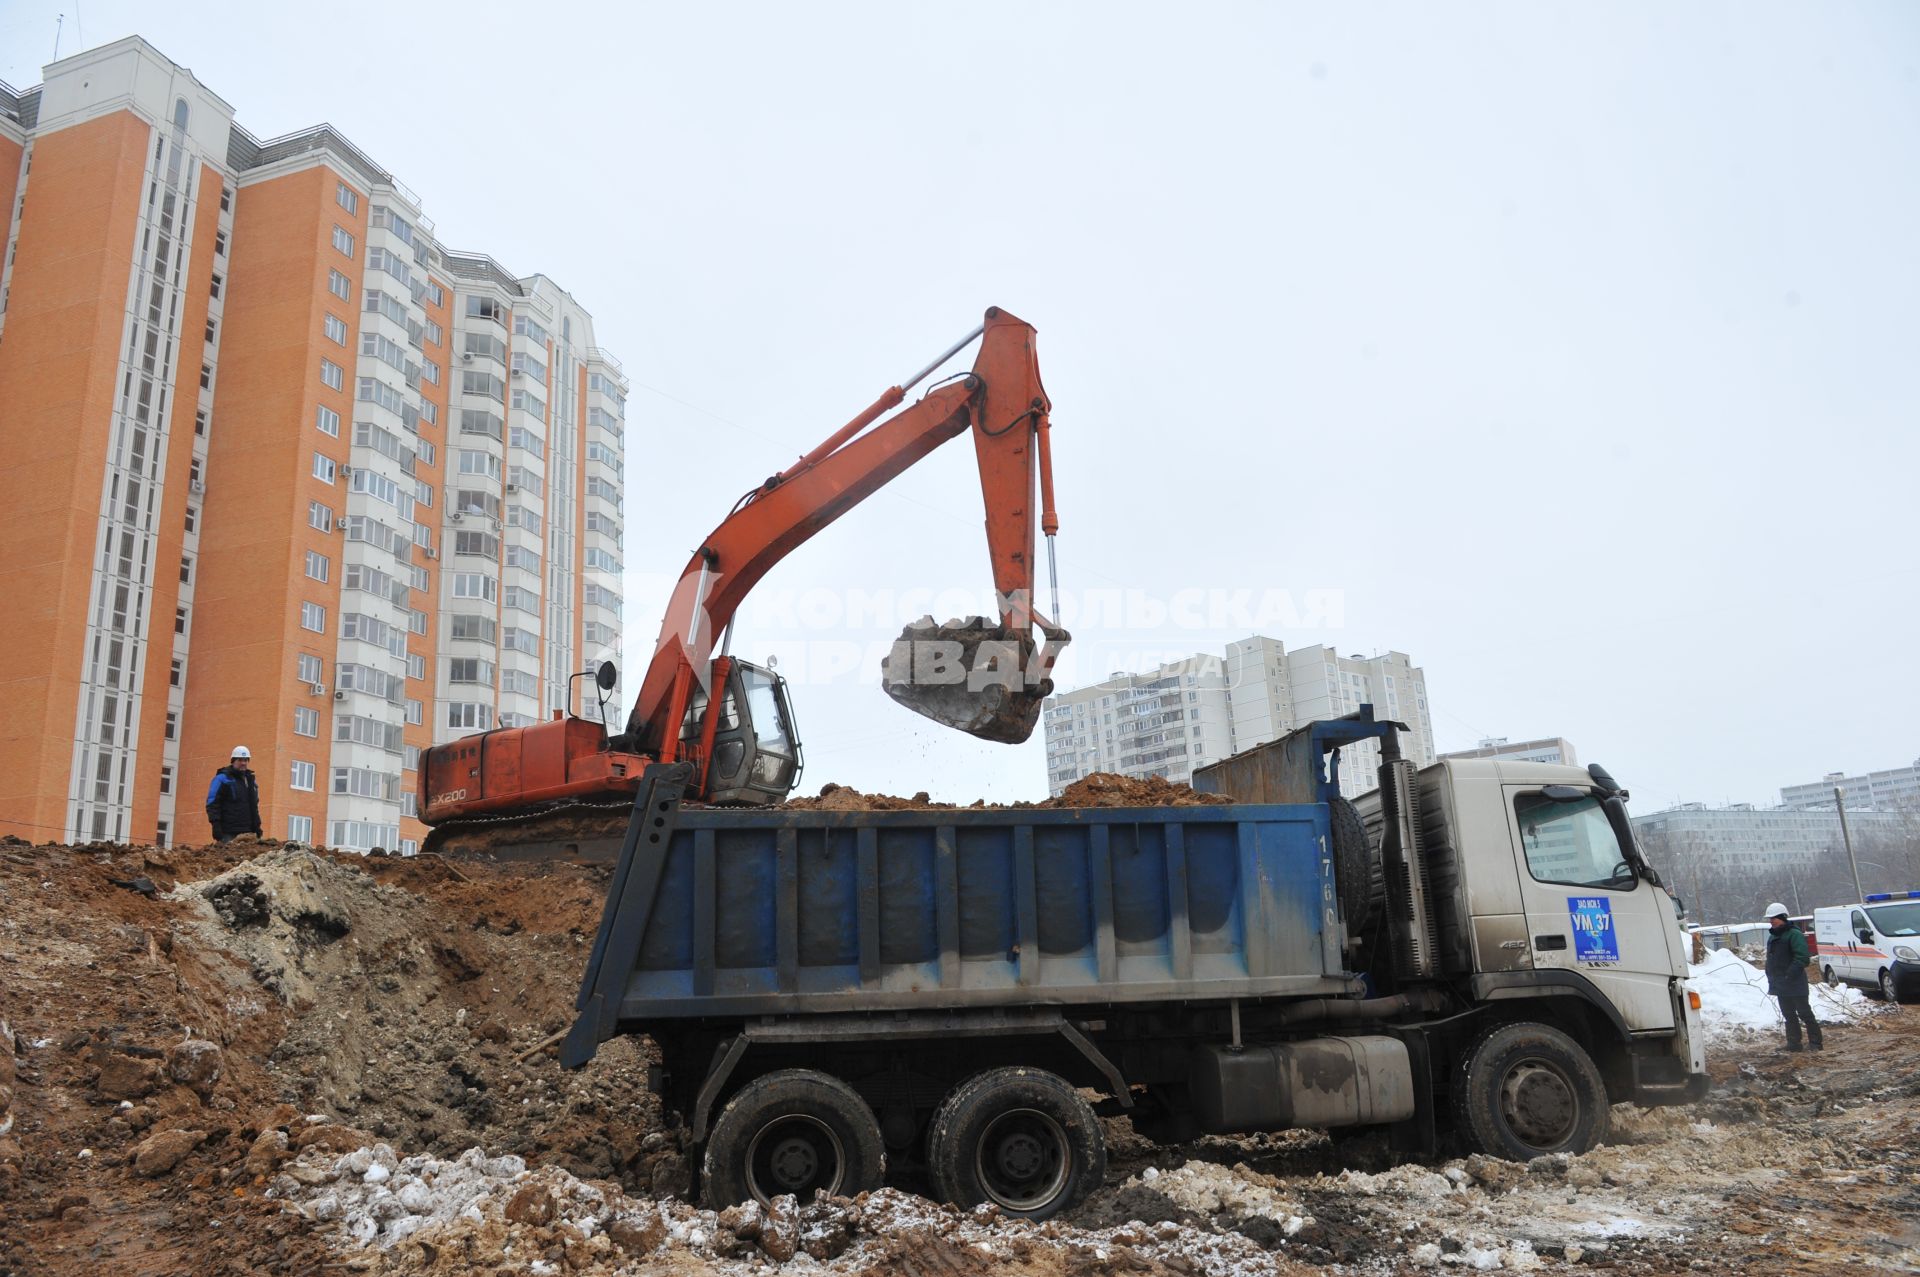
x,y
731,720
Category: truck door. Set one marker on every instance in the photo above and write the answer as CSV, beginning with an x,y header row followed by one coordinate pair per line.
x,y
1587,911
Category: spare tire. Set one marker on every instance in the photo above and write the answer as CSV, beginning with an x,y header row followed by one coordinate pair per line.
x,y
1356,866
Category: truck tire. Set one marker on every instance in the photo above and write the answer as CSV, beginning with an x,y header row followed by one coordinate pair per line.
x,y
1525,1089
793,1131
1020,1138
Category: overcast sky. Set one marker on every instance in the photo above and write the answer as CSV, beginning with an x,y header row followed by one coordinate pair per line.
x,y
1573,346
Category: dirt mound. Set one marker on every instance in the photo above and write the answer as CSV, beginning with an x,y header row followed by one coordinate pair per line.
x,y
1106,789
1100,789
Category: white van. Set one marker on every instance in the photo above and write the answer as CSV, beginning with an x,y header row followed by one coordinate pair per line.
x,y
1875,943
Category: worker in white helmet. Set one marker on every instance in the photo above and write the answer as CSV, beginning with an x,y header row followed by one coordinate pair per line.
x,y
1787,960
233,799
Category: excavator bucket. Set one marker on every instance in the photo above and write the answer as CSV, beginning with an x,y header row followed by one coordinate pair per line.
x,y
974,675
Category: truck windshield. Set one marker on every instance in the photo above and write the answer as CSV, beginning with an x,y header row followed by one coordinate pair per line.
x,y
1571,842
1897,920
763,705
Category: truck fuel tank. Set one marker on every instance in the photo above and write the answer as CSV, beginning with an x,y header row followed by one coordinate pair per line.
x,y
1319,1082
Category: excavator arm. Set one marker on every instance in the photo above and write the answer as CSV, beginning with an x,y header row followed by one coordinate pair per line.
x,y
1002,403
729,718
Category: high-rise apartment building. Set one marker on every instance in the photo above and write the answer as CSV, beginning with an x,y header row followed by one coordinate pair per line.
x,y
1894,788
1197,710
266,483
1548,749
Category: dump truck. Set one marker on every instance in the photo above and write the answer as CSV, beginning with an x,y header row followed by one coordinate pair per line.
x,y
1476,951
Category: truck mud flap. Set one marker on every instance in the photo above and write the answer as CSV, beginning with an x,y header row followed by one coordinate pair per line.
x,y
623,921
1419,1134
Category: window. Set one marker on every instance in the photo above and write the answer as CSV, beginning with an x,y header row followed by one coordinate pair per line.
x,y
416,665
336,329
391,264
186,570
604,560
483,544
302,777
386,219
416,712
206,376
328,421
466,626
519,682
339,285
1571,843
475,585
425,450
173,726
516,640
461,669
166,779
528,366
430,371
436,294
343,240
323,467
524,401
179,620
361,782
177,673
306,722
525,600
411,760
473,461
466,714
346,197
524,326
313,617
526,480
358,730
300,829
317,565
226,198
487,308
477,421
212,329
311,670
521,556
213,288
483,383
521,517
486,346
521,437
200,423
435,335
333,374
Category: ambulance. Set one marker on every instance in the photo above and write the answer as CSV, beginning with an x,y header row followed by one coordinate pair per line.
x,y
1874,944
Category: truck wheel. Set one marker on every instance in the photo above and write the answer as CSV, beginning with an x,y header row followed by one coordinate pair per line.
x,y
1833,981
1526,1089
1020,1138
793,1131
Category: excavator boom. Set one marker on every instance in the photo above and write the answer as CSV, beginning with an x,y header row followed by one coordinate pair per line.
x,y
730,719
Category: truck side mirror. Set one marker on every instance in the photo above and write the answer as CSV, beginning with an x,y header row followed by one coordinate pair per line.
x,y
606,676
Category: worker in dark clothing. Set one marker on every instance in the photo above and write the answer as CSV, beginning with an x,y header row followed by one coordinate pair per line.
x,y
1787,976
233,799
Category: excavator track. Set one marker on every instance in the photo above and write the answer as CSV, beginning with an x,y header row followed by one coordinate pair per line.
x,y
571,830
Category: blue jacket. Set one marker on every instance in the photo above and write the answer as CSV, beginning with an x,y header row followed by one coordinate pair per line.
x,y
233,803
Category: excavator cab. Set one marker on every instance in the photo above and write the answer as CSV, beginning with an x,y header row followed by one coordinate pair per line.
x,y
755,756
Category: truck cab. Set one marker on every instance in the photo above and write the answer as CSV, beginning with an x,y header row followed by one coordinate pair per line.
x,y
1540,895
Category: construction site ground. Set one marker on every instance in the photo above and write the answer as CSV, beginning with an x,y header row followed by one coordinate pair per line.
x,y
262,1059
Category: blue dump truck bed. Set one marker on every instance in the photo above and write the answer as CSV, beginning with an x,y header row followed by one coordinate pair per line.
x,y
743,913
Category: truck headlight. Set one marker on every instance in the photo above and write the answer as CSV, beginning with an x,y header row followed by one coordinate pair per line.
x,y
1906,953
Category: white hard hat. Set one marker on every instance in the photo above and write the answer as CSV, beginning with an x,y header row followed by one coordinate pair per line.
x,y
240,751
1776,910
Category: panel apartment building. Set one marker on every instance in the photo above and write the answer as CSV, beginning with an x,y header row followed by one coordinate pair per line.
x,y
1200,709
282,470
1895,789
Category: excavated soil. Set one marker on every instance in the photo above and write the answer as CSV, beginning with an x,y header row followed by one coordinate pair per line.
x,y
1098,789
264,1059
